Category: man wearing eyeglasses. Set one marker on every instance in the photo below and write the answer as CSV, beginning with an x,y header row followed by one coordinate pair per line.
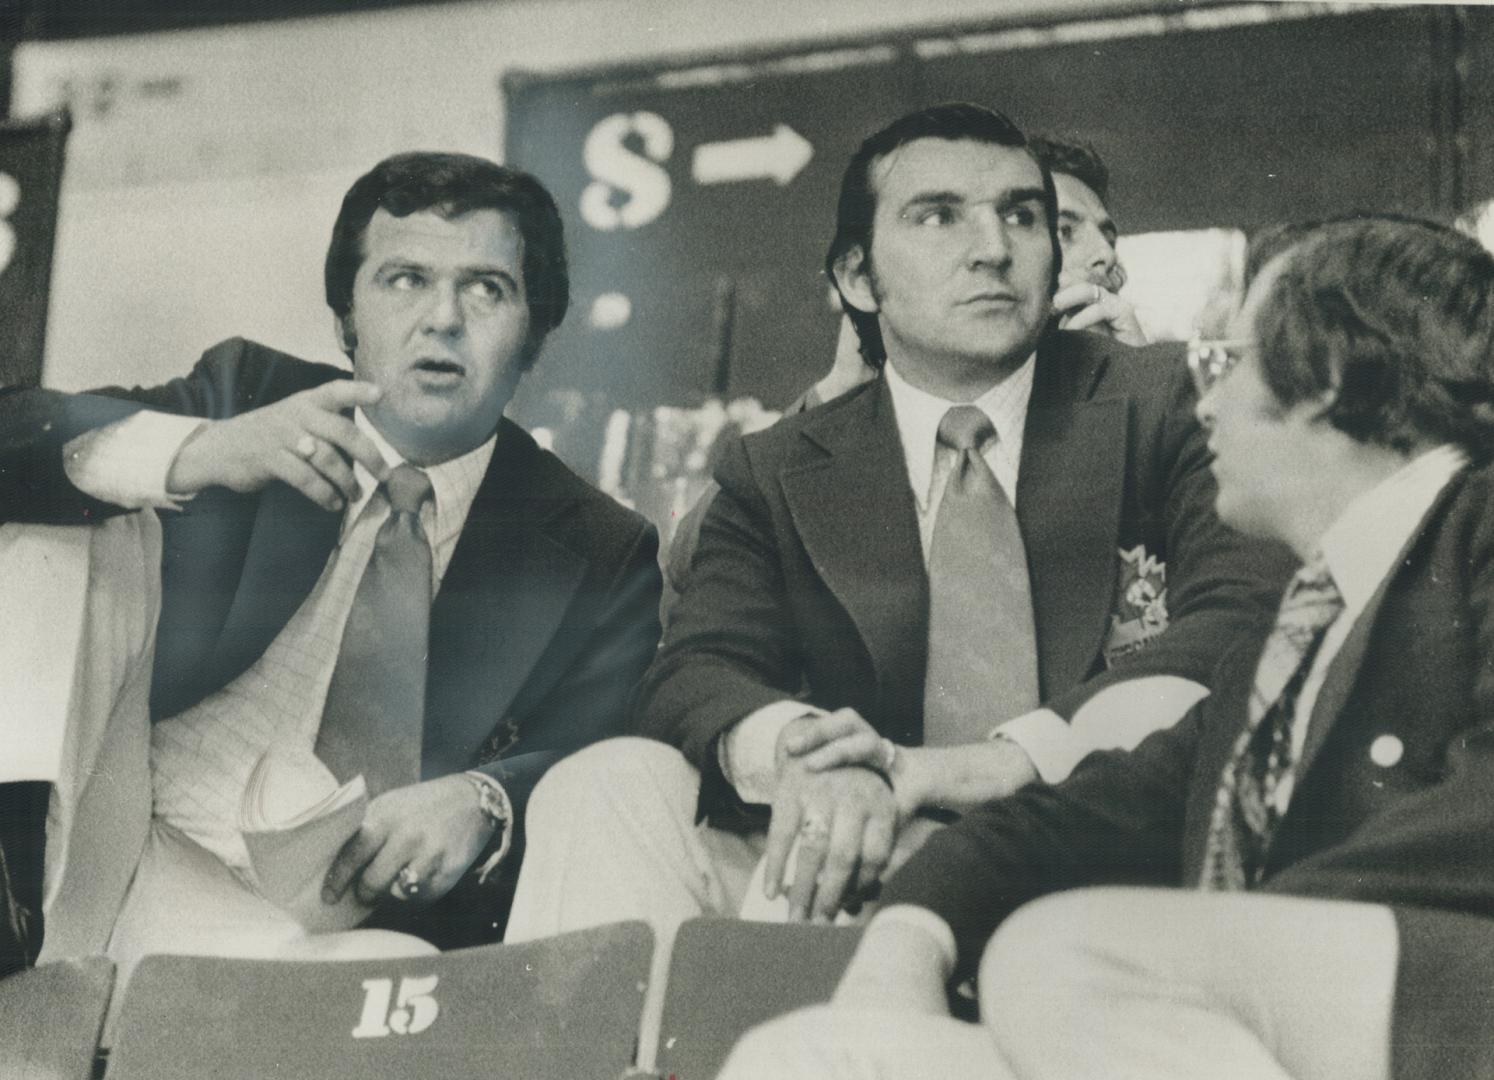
x,y
1306,858
961,577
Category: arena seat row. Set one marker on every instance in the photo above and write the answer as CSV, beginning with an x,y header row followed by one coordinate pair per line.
x,y
565,1007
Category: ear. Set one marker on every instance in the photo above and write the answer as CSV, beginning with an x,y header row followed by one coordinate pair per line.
x,y
853,275
347,337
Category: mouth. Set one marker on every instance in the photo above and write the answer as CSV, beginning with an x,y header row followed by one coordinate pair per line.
x,y
1000,299
440,369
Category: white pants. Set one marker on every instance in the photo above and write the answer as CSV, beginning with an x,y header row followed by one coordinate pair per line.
x,y
1132,984
610,834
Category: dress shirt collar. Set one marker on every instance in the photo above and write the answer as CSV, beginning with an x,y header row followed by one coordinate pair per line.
x,y
1361,546
454,483
919,413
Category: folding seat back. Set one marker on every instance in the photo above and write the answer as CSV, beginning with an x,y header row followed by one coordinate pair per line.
x,y
50,1019
564,1007
727,975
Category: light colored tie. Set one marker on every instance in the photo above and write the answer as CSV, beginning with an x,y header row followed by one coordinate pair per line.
x,y
1247,807
374,717
982,666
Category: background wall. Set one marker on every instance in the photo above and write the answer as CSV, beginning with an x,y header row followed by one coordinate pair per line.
x,y
206,166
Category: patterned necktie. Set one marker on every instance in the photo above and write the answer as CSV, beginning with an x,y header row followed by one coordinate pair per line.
x,y
982,666
374,717
1255,783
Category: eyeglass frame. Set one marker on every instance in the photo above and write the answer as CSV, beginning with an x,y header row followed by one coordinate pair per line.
x,y
1210,360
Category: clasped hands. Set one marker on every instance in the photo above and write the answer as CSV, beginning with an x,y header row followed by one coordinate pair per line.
x,y
427,834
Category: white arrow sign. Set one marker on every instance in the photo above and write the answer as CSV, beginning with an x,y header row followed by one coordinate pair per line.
x,y
779,156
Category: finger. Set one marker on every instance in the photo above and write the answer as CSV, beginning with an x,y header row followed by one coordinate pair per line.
x,y
341,394
325,459
379,874
839,863
347,438
862,748
876,850
812,846
1094,315
1081,294
350,861
783,826
302,476
810,734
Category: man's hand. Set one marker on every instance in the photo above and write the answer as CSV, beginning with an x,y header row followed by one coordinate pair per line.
x,y
1084,306
845,821
897,967
436,828
303,440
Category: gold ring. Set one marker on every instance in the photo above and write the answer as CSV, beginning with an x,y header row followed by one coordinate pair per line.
x,y
306,446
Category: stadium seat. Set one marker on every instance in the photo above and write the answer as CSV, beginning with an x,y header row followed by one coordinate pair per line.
x,y
50,1019
565,1007
727,975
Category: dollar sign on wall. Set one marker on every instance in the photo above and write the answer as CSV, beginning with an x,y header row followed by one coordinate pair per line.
x,y
10,198
619,170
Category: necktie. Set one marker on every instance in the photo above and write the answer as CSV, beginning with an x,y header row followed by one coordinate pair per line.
x,y
374,716
1255,782
982,666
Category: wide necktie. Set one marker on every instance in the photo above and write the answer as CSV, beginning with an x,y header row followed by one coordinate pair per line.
x,y
1255,784
374,716
982,666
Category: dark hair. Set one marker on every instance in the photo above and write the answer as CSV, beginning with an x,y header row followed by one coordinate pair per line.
x,y
1077,159
858,202
452,185
1395,316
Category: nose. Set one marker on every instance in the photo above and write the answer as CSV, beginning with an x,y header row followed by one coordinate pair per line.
x,y
989,244
1093,255
443,310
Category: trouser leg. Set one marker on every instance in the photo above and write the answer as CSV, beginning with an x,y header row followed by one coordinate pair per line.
x,y
610,835
1153,984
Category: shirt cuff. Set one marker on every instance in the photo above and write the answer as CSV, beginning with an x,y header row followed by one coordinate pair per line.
x,y
925,920
748,751
126,462
1048,741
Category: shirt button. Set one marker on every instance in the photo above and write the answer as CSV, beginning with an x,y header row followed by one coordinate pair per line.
x,y
1386,751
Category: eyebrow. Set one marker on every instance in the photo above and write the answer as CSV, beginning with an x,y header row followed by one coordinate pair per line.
x,y
475,270
1005,200
1106,224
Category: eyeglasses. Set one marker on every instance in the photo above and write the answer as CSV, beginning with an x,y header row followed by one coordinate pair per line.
x,y
1210,361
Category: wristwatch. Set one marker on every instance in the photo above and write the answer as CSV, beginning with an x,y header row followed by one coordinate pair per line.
x,y
494,803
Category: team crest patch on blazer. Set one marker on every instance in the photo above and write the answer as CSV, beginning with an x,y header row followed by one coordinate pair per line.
x,y
1141,604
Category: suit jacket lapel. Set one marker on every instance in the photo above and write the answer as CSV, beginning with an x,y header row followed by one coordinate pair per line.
x,y
504,595
1343,671
1070,487
857,521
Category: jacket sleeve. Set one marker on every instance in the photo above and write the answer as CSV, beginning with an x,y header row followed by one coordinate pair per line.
x,y
1118,819
36,424
1221,583
730,647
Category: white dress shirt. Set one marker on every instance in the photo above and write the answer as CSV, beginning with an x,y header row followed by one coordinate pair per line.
x,y
202,757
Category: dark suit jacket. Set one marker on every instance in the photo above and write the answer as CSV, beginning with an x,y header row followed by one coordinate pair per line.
x,y
809,570
1418,665
545,619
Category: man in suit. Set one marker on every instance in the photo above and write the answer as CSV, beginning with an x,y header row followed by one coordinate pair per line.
x,y
815,669
380,568
1088,298
1326,811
